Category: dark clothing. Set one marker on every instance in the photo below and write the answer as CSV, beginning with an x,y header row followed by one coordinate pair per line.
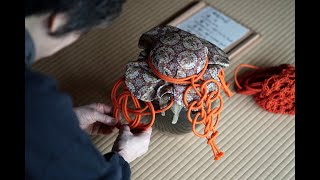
x,y
55,146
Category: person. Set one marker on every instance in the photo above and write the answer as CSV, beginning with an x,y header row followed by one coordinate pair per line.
x,y
57,136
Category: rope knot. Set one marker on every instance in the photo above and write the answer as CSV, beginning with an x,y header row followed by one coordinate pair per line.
x,y
211,141
206,114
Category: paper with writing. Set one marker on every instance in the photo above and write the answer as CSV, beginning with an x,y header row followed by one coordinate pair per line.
x,y
215,27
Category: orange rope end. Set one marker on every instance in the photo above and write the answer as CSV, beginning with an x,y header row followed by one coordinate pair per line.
x,y
218,156
224,84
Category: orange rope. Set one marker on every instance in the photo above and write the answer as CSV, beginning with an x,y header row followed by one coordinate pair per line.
x,y
120,104
205,112
273,88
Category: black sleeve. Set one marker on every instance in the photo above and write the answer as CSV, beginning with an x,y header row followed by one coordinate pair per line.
x,y
55,146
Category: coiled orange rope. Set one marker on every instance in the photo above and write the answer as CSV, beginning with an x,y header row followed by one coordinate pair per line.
x,y
273,88
209,116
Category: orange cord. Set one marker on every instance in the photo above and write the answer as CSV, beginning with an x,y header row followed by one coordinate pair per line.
x,y
206,113
120,104
273,88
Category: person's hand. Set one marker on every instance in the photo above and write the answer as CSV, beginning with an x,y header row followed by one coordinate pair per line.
x,y
94,118
131,146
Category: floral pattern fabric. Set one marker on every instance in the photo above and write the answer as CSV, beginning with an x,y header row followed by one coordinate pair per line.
x,y
177,54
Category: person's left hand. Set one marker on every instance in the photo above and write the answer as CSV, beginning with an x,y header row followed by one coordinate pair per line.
x,y
94,118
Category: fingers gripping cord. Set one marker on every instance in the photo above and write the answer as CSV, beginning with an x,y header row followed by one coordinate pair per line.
x,y
205,114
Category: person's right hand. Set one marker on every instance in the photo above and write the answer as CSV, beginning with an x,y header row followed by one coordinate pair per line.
x,y
131,146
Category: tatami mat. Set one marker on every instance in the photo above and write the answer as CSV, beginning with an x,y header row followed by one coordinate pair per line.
x,y
257,144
